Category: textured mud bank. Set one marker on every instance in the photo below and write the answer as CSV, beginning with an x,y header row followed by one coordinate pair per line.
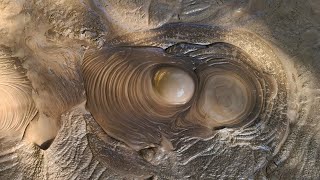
x,y
107,89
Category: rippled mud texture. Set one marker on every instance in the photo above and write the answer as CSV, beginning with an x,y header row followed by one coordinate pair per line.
x,y
104,89
17,105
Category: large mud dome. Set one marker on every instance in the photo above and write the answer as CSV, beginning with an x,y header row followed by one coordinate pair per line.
x,y
108,89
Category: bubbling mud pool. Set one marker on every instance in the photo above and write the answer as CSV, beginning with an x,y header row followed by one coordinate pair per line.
x,y
108,97
229,86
